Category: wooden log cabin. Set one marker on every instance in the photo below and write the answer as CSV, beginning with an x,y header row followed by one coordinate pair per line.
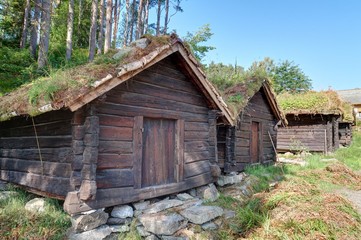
x,y
309,132
253,139
317,122
147,129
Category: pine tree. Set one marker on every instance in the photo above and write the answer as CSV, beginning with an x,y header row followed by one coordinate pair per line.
x,y
101,28
25,25
44,33
93,30
69,36
108,26
34,28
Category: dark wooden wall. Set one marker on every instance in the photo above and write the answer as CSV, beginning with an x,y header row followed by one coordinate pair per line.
x,y
19,153
306,132
237,150
345,133
162,91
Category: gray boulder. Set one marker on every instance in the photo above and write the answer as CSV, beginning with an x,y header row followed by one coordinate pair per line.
x,y
208,192
95,234
163,223
162,205
82,223
202,214
122,211
36,205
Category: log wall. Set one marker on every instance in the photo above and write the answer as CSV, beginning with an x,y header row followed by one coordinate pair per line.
x,y
162,91
46,169
345,133
239,143
306,132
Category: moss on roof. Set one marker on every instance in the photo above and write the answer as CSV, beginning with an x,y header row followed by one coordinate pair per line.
x,y
62,86
312,102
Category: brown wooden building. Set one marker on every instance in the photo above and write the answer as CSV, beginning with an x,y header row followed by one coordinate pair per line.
x,y
146,130
317,122
309,132
253,139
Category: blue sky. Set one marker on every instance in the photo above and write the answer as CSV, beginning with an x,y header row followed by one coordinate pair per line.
x,y
323,37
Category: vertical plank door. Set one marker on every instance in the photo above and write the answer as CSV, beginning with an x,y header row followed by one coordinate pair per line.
x,y
158,152
255,142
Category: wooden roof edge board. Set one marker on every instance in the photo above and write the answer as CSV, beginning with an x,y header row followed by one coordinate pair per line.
x,y
273,102
126,72
216,97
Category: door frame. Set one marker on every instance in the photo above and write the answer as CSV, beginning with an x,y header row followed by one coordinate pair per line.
x,y
259,144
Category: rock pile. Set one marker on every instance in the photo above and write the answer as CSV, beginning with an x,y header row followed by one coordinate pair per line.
x,y
176,217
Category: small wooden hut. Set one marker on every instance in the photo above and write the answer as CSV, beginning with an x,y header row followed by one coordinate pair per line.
x,y
146,129
253,139
314,122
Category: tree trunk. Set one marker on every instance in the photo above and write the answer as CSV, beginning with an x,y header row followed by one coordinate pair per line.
x,y
25,25
139,20
93,30
126,27
69,34
108,26
101,28
80,14
132,22
158,17
34,29
44,33
146,16
166,17
116,22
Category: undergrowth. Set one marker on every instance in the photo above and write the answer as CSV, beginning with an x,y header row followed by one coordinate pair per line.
x,y
17,223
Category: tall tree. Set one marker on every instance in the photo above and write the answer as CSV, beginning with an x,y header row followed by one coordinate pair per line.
x,y
194,40
93,30
116,22
139,20
159,12
146,17
108,26
80,14
132,21
101,27
166,17
25,25
44,33
34,28
288,77
69,35
126,25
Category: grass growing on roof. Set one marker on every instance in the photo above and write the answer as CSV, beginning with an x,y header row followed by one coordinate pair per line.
x,y
313,102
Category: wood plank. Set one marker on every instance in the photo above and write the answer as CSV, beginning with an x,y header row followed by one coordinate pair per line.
x,y
116,147
196,156
121,109
196,146
143,100
179,150
114,178
116,121
61,127
30,142
193,135
111,161
53,185
36,167
166,93
115,133
116,196
162,80
137,152
196,168
62,155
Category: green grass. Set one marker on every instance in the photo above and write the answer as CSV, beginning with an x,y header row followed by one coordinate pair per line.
x,y
351,156
17,223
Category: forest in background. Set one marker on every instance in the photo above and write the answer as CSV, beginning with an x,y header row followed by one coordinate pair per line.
x,y
38,37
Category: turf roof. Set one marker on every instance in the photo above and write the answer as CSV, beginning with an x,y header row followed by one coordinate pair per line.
x,y
312,102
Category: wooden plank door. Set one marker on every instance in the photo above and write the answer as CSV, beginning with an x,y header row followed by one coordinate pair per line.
x,y
255,142
158,152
